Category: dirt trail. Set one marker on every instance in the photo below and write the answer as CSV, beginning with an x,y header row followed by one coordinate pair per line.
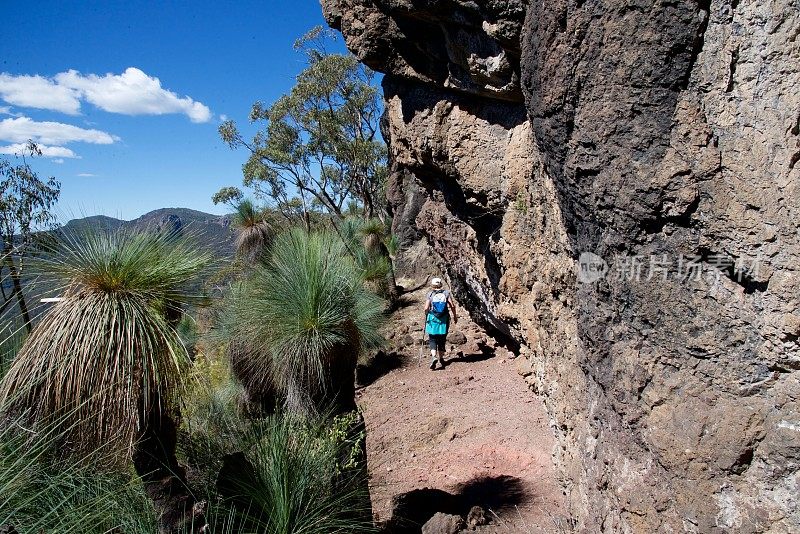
x,y
472,430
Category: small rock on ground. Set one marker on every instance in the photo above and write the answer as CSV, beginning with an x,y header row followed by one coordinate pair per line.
x,y
457,338
476,517
443,524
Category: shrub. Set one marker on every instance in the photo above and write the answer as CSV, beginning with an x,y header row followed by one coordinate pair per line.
x,y
279,474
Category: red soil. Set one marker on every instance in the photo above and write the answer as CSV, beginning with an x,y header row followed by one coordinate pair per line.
x,y
473,427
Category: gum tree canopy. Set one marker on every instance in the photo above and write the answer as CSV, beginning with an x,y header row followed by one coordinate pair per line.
x,y
319,144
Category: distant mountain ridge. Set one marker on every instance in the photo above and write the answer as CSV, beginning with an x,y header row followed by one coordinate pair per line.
x,y
211,231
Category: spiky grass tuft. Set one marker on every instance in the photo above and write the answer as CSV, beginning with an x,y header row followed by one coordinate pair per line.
x,y
41,492
99,359
296,479
306,315
373,232
254,232
277,474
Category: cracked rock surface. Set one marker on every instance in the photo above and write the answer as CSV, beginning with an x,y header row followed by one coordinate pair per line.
x,y
659,140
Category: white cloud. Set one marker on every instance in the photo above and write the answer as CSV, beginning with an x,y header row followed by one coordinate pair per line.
x,y
86,175
47,151
38,92
59,161
21,129
223,118
132,93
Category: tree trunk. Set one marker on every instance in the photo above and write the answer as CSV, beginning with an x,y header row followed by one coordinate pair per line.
x,y
305,211
164,479
17,289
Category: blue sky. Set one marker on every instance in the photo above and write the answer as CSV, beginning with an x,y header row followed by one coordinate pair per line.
x,y
120,144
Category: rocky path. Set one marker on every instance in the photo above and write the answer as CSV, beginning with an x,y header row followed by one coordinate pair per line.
x,y
470,434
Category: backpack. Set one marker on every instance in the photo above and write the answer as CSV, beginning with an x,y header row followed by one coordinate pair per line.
x,y
438,301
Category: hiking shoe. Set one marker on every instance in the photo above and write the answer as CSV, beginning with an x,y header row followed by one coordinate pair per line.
x,y
433,365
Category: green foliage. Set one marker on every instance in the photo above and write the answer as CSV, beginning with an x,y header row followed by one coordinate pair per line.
x,y
353,209
188,333
291,474
341,435
521,203
210,415
373,232
228,195
40,492
392,244
364,239
12,336
26,200
321,140
99,358
307,316
297,483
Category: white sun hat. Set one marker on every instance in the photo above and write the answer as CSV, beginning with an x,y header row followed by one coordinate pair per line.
x,y
436,282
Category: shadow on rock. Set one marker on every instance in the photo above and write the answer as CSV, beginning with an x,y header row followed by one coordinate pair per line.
x,y
413,509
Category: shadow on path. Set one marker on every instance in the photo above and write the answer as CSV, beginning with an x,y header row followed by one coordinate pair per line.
x,y
378,366
413,509
485,353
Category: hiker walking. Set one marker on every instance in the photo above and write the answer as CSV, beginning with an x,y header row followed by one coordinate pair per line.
x,y
437,320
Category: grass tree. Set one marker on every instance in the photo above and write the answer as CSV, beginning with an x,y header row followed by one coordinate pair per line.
x,y
253,231
307,316
366,244
275,475
107,360
294,476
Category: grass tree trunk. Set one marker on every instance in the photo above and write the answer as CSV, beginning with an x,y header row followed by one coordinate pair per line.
x,y
164,478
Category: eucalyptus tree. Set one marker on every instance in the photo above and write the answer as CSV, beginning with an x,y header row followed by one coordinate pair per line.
x,y
26,203
320,143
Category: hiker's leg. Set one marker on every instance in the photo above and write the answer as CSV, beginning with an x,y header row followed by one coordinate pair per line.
x,y
433,345
440,349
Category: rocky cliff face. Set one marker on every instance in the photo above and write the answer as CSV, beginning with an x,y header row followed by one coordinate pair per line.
x,y
653,144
